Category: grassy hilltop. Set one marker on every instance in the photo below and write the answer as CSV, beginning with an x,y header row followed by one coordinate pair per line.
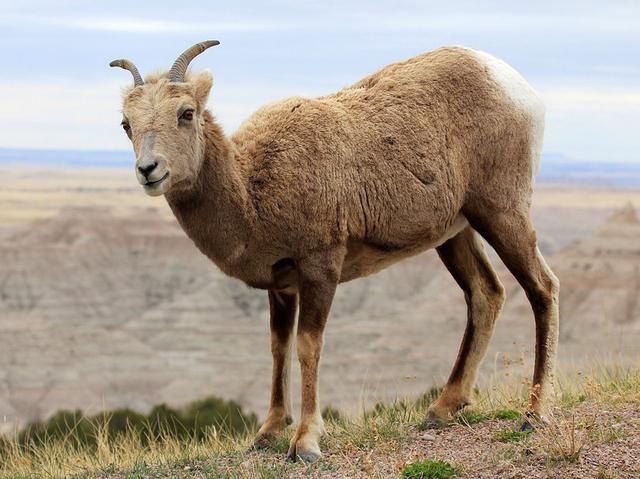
x,y
594,432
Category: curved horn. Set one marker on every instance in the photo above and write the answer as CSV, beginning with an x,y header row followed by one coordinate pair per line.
x,y
127,65
179,68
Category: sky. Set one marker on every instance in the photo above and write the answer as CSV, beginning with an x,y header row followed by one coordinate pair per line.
x,y
57,90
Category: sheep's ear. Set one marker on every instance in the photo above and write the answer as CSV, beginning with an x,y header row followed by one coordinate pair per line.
x,y
203,84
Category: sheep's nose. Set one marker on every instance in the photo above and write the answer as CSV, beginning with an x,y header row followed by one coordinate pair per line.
x,y
145,170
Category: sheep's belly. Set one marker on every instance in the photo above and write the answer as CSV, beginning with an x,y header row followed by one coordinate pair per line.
x,y
365,258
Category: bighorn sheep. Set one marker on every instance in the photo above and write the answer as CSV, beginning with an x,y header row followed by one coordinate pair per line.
x,y
432,152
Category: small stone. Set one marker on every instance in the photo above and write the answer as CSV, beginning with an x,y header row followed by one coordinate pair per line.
x,y
428,437
187,468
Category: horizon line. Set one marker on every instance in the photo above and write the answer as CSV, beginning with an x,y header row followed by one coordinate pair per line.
x,y
549,155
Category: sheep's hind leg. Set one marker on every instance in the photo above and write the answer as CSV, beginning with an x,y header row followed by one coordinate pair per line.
x,y
283,308
512,235
466,260
318,278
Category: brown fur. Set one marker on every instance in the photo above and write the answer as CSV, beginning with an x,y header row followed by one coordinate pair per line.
x,y
283,309
309,193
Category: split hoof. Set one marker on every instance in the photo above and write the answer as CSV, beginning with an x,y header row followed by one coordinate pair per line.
x,y
306,456
263,441
533,420
429,424
526,426
305,443
434,422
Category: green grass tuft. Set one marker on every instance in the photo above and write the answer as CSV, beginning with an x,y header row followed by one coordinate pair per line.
x,y
472,417
139,471
512,436
508,414
429,470
280,444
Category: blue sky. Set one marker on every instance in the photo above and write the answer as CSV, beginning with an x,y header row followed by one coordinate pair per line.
x,y
57,91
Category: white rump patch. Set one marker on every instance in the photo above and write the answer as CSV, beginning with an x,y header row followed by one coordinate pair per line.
x,y
516,88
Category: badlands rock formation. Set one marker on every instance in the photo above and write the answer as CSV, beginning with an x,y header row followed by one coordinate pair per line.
x,y
101,311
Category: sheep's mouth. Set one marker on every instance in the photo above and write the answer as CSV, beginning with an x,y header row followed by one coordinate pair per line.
x,y
157,182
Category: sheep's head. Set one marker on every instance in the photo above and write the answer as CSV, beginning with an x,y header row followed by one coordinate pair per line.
x,y
164,119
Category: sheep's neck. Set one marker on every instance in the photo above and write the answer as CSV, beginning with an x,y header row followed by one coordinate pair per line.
x,y
214,212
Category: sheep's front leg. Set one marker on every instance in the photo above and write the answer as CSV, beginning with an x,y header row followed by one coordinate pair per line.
x,y
283,308
318,279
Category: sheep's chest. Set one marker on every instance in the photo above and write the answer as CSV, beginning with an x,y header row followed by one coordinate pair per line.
x,y
261,270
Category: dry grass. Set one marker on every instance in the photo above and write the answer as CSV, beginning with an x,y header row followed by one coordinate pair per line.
x,y
373,445
562,439
608,473
60,458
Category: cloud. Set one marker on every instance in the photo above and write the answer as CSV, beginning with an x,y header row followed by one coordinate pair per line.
x,y
60,115
74,115
499,22
358,20
140,25
608,98
592,123
584,122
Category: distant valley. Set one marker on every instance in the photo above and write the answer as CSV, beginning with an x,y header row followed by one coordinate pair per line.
x,y
104,303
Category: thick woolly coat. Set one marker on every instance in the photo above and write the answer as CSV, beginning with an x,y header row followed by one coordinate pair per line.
x,y
388,167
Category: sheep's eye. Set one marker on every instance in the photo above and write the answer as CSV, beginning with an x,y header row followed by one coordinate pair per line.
x,y
187,115
126,127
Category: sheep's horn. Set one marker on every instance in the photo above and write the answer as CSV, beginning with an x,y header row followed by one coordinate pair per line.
x,y
127,65
179,68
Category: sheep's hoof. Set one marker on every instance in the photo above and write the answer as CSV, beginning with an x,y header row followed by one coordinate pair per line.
x,y
526,426
264,441
306,456
433,422
534,420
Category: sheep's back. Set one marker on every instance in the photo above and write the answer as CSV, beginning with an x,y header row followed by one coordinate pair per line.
x,y
390,159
